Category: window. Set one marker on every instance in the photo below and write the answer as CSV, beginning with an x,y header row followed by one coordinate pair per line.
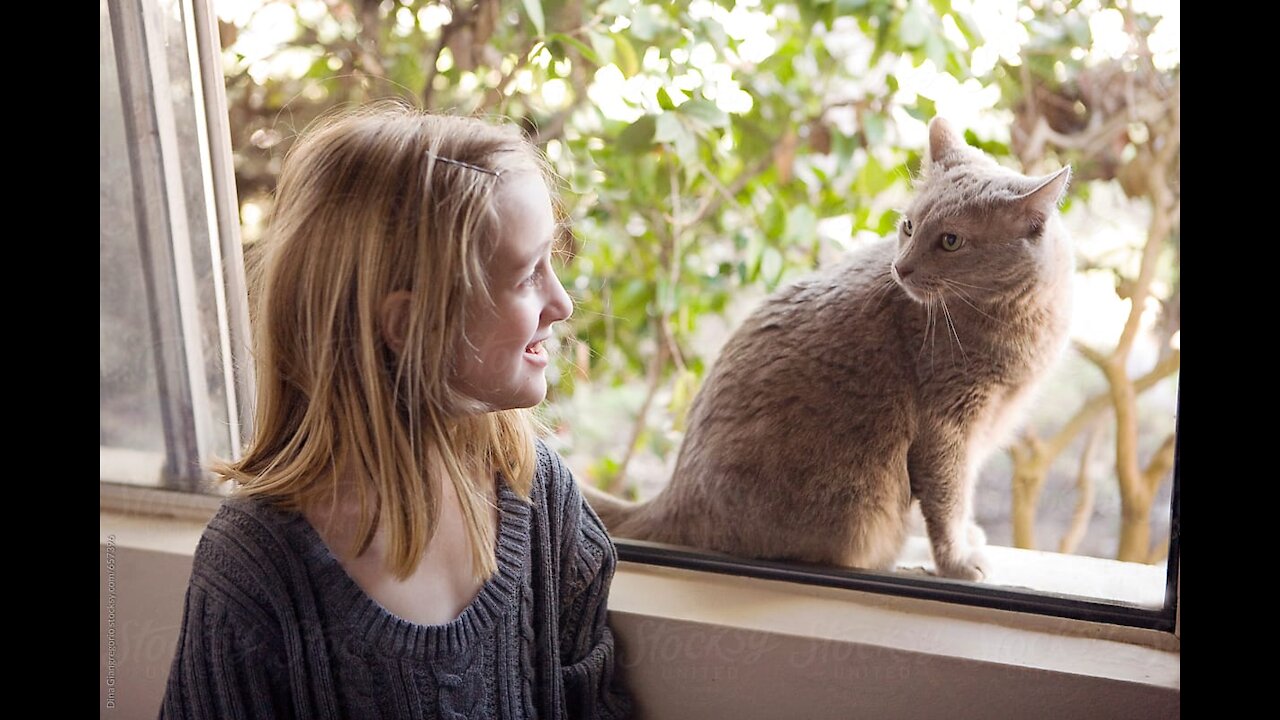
x,y
171,305
703,166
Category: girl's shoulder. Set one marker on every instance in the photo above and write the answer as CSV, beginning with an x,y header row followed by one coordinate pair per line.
x,y
553,480
250,549
245,524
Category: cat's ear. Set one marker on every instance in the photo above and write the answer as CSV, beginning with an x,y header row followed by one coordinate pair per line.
x,y
1047,192
1043,198
944,142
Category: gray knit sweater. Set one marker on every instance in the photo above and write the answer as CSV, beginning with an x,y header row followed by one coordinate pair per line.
x,y
275,628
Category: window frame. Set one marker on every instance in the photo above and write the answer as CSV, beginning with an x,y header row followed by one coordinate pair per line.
x,y
141,54
185,412
997,597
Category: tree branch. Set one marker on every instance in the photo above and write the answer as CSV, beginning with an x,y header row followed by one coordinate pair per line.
x,y
653,381
714,200
1161,464
493,97
1158,553
1094,356
1098,404
457,19
720,193
1084,501
1098,135
370,48
1162,206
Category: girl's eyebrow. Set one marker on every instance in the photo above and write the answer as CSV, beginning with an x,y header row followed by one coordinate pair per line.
x,y
537,254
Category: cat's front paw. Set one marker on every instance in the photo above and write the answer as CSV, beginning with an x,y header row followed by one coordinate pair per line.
x,y
975,566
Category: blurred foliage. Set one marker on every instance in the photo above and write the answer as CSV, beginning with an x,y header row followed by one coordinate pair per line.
x,y
709,151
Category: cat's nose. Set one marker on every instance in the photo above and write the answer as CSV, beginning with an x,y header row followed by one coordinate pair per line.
x,y
903,270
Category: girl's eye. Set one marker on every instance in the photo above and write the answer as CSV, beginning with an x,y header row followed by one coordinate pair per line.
x,y
535,277
951,243
906,227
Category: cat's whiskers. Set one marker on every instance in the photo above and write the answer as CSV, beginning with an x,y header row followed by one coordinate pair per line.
x,y
884,289
928,322
952,326
975,287
930,334
933,334
950,285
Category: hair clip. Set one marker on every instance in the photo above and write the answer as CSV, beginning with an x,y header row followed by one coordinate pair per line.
x,y
469,166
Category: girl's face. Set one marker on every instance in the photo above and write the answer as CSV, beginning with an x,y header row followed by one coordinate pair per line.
x,y
503,360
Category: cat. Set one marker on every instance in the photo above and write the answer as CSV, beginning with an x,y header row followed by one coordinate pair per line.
x,y
887,378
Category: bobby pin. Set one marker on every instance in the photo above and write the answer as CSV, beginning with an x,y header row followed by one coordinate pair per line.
x,y
469,166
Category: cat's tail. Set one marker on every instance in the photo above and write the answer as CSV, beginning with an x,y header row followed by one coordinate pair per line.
x,y
614,512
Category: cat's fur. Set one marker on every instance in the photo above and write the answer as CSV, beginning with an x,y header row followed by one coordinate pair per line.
x,y
851,392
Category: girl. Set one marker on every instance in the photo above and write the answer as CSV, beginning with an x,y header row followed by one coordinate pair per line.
x,y
400,545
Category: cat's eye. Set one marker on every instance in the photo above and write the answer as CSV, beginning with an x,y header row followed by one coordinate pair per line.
x,y
906,227
950,242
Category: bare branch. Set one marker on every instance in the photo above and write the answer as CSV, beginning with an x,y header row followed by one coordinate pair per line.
x,y
713,201
370,49
1030,468
1094,356
1098,404
555,127
719,194
1084,500
496,93
457,20
1161,464
654,380
1158,553
1162,223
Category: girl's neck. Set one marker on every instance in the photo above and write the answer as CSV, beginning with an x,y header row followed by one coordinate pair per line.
x,y
434,592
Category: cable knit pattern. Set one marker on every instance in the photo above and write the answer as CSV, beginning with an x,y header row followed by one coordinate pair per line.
x,y
273,627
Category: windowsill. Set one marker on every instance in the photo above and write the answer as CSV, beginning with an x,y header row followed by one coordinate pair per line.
x,y
706,642
179,519
171,522
833,615
1049,572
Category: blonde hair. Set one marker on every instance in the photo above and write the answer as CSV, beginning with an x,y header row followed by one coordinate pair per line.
x,y
370,202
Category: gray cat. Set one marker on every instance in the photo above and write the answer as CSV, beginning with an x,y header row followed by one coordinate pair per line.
x,y
887,378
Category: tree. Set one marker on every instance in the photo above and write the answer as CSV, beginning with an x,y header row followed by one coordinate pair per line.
x,y
1117,120
709,151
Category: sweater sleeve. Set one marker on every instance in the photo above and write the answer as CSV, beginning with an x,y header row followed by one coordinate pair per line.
x,y
593,684
228,665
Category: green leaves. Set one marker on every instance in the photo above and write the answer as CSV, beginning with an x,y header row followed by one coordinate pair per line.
x,y
680,209
704,114
680,127
873,178
627,60
672,131
915,27
587,51
533,8
638,136
873,129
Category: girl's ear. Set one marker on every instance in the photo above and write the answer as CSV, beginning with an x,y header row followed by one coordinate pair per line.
x,y
393,319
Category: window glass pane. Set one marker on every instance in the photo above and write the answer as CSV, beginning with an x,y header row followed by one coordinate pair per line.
x,y
130,422
705,175
195,225
165,381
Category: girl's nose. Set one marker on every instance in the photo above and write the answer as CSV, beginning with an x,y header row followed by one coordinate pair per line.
x,y
559,305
